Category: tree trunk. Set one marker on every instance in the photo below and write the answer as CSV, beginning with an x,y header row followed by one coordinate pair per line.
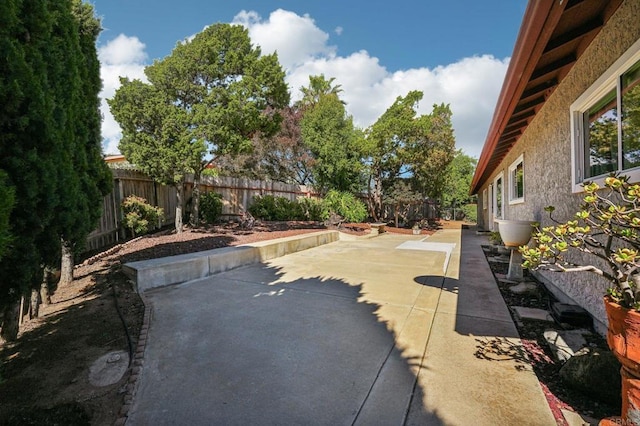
x,y
66,266
9,332
179,201
195,205
377,197
395,214
45,296
34,310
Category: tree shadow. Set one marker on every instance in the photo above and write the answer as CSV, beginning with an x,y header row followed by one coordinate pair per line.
x,y
260,345
44,374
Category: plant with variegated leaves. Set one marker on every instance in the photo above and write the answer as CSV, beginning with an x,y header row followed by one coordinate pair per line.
x,y
606,227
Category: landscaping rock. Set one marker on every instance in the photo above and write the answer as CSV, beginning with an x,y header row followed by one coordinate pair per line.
x,y
594,371
564,344
524,288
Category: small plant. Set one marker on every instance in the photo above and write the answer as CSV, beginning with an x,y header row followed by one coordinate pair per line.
x,y
140,216
346,205
495,238
605,228
210,207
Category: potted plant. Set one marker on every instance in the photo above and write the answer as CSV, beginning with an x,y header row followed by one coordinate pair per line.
x,y
607,229
416,229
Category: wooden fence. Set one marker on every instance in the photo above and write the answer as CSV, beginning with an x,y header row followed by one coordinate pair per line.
x,y
237,194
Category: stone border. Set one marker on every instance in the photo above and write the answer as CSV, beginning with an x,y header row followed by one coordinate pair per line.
x,y
136,369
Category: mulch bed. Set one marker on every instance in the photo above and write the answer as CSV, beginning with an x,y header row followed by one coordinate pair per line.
x,y
540,355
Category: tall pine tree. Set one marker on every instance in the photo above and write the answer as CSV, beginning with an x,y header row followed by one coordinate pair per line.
x,y
43,96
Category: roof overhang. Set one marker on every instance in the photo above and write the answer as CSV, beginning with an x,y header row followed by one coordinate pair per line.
x,y
553,35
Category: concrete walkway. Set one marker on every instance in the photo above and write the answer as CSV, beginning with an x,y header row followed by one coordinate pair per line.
x,y
352,332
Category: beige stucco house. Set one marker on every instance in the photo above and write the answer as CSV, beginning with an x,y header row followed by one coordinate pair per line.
x,y
575,65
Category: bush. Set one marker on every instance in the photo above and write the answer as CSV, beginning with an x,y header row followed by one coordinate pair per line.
x,y
140,216
210,207
470,212
268,207
346,205
313,209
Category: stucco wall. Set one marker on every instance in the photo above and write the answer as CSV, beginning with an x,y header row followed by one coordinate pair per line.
x,y
546,145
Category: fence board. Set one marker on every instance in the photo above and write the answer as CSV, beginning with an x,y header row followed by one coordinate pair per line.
x,y
237,194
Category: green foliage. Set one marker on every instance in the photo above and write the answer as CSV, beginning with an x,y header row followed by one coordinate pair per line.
x,y
139,216
470,212
313,209
606,229
211,206
495,238
346,205
210,96
49,135
457,181
87,178
329,134
401,143
268,207
7,200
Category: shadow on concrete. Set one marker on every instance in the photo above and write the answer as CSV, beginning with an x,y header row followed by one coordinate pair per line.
x,y
252,346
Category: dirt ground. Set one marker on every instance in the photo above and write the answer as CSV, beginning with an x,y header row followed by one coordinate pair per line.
x,y
44,377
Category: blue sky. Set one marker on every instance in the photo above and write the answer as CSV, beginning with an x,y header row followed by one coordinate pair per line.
x,y
455,52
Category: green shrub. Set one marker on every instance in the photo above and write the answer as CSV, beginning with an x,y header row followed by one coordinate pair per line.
x,y
346,205
470,212
268,207
313,209
140,216
210,207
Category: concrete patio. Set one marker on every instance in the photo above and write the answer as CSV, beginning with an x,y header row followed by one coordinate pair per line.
x,y
357,331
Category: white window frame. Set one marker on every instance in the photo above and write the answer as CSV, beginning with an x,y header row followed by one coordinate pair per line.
x,y
607,81
485,199
498,214
513,199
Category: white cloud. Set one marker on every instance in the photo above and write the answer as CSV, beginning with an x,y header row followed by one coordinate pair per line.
x,y
295,38
470,85
121,57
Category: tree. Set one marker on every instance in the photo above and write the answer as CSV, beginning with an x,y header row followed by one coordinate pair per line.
x,y
207,99
318,86
336,145
387,143
282,157
38,81
432,151
457,180
88,179
7,200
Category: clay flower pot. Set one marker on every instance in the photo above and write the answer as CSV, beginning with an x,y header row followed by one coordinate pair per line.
x,y
623,337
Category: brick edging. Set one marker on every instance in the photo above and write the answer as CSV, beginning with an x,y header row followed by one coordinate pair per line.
x,y
136,369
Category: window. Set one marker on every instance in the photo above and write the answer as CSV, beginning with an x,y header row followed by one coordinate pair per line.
x,y
516,181
605,123
485,199
498,197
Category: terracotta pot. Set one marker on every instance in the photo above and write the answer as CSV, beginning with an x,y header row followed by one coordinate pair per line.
x,y
623,337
